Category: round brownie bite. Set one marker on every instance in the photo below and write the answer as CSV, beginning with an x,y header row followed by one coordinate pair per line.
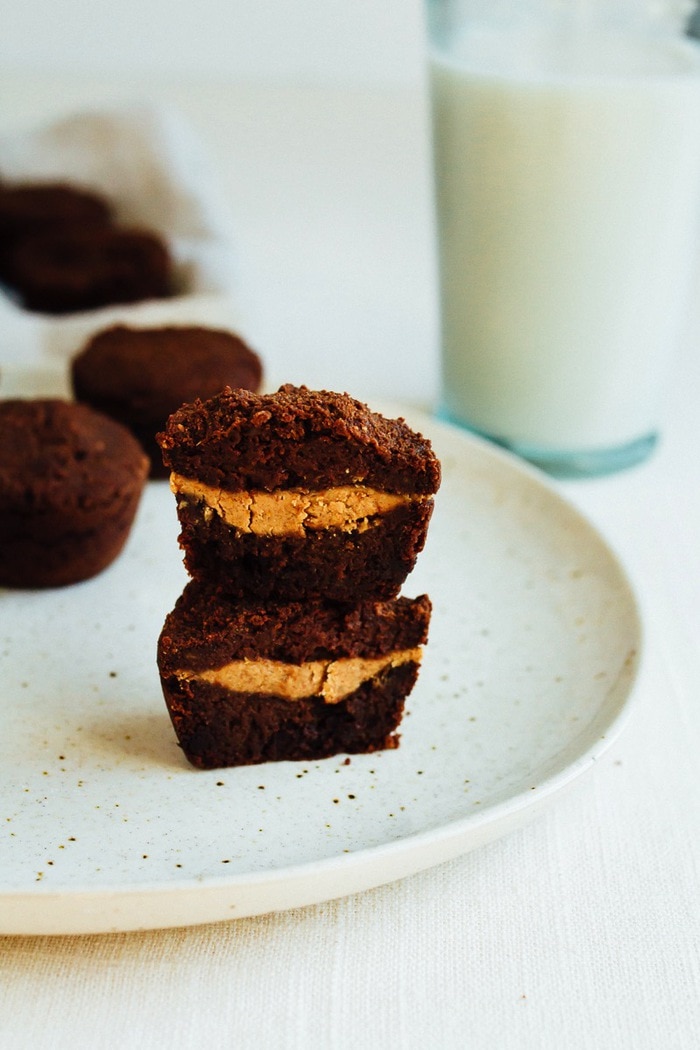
x,y
70,483
299,493
250,682
140,376
70,270
31,208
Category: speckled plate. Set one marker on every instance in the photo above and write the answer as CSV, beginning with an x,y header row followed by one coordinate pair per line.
x,y
529,671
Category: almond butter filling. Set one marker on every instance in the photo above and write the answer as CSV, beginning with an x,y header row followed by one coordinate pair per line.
x,y
290,512
331,679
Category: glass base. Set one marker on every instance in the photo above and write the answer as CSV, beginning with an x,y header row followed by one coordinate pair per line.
x,y
570,464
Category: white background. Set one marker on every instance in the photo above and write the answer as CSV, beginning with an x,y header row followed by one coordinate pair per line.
x,y
302,41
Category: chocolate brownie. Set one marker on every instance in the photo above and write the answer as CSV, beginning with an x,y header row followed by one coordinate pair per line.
x,y
249,682
28,209
70,483
66,271
139,376
299,494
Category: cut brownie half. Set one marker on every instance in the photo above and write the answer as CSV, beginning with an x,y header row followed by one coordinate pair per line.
x,y
248,682
298,494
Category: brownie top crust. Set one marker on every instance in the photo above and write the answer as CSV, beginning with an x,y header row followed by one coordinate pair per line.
x,y
207,630
72,255
31,207
58,453
151,371
296,438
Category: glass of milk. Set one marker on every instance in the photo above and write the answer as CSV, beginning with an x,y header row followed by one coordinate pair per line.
x,y
566,140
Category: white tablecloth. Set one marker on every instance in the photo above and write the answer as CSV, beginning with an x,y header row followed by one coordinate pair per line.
x,y
581,930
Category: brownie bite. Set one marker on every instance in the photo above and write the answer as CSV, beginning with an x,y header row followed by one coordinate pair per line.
x,y
31,208
299,494
70,484
70,270
139,376
250,682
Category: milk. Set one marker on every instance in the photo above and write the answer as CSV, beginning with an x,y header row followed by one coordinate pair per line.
x,y
567,175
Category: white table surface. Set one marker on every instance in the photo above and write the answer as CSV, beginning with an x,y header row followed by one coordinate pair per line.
x,y
581,930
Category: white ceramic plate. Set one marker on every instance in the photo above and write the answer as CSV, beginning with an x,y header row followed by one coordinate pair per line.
x,y
534,650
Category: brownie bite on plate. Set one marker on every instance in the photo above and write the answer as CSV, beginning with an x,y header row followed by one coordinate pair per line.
x,y
299,494
70,483
250,682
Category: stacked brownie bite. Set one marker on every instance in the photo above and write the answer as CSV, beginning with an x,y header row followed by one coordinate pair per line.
x,y
301,514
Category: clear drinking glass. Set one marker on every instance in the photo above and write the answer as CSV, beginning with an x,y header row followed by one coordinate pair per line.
x,y
566,144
